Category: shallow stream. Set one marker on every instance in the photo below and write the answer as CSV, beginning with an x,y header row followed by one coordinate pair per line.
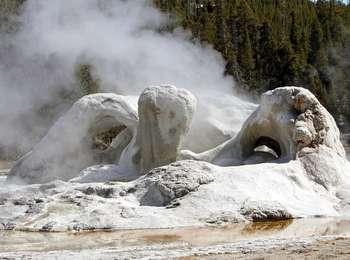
x,y
169,242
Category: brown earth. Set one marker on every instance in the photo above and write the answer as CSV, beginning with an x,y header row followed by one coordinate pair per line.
x,y
5,166
338,248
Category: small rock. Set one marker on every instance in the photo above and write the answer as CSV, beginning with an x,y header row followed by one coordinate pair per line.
x,y
128,213
22,201
131,190
178,180
3,201
48,226
39,200
89,191
173,204
104,192
260,211
224,217
82,227
34,209
9,226
122,193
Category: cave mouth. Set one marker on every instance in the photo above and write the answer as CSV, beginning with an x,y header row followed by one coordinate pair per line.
x,y
268,145
103,132
106,140
102,140
265,149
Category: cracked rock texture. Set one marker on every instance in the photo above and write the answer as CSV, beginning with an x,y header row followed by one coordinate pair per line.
x,y
165,116
69,145
289,120
304,174
165,184
105,129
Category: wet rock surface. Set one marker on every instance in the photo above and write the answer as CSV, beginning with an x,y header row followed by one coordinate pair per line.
x,y
313,238
260,211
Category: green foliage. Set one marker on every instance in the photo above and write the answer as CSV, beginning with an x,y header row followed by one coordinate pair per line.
x,y
9,9
271,43
88,84
266,43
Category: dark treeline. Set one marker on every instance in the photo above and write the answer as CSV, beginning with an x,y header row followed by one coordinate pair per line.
x,y
272,43
266,43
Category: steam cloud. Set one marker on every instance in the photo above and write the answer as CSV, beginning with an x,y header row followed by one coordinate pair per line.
x,y
122,40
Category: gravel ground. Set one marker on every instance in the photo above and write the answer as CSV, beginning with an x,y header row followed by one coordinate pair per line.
x,y
337,248
320,248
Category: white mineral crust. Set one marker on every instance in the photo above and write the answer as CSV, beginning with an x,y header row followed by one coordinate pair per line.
x,y
299,170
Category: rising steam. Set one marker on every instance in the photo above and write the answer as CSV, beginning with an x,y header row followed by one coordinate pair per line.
x,y
123,42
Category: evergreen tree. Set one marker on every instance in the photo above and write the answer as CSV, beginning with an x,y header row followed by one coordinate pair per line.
x,y
245,56
220,39
270,43
317,54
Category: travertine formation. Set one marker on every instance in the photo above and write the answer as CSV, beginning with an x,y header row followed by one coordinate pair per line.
x,y
97,129
287,161
165,116
289,122
105,129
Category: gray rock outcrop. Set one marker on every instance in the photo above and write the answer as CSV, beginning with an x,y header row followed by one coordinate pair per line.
x,y
97,129
165,115
105,129
288,121
286,162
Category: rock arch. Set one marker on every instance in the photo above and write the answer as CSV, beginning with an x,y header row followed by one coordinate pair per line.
x,y
69,147
291,118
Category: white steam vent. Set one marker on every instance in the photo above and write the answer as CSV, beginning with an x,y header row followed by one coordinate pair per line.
x,y
127,51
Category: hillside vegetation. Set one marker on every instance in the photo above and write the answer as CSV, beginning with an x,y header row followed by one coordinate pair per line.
x,y
272,43
266,43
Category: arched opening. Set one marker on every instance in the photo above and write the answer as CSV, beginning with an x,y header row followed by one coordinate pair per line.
x,y
103,139
265,149
107,138
268,145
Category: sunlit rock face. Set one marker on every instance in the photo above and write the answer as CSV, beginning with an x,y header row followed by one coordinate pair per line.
x,y
105,129
165,116
286,162
288,122
97,129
